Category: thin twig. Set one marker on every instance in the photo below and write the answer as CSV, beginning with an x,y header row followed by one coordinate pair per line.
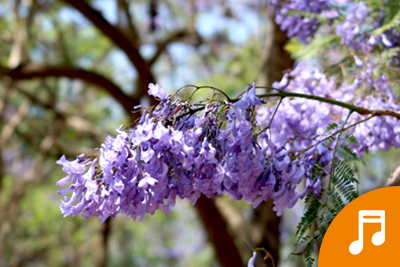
x,y
339,131
336,146
359,110
273,116
13,122
208,87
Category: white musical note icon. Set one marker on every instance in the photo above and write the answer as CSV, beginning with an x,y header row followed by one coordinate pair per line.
x,y
368,216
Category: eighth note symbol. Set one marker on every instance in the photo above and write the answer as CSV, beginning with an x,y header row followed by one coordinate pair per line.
x,y
368,216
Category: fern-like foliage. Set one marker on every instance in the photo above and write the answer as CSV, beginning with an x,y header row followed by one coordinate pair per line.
x,y
350,139
345,152
304,52
393,23
331,126
309,217
308,254
340,190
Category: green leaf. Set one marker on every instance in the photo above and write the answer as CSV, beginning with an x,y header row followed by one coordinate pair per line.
x,y
309,254
350,139
308,218
305,52
393,23
346,152
331,126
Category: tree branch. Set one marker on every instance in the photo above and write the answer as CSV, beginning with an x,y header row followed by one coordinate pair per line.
x,y
161,46
379,112
37,71
357,109
117,37
15,119
125,21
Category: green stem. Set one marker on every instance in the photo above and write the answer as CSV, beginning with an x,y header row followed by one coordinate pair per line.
x,y
281,93
360,110
273,116
348,127
336,145
337,132
206,87
268,256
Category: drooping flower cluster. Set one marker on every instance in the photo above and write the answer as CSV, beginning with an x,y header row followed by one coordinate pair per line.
x,y
183,150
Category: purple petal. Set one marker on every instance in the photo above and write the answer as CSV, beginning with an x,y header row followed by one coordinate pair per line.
x,y
64,181
252,260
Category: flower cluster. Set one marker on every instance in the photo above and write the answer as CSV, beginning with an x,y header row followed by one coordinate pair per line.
x,y
300,118
356,27
379,133
305,121
355,32
299,17
350,31
183,150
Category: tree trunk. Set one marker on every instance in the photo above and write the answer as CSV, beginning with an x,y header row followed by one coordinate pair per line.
x,y
100,256
265,225
217,229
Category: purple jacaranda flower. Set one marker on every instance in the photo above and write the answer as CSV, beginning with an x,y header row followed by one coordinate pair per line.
x,y
157,91
252,260
358,61
304,27
179,150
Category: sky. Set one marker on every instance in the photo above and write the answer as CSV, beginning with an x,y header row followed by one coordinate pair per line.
x,y
209,21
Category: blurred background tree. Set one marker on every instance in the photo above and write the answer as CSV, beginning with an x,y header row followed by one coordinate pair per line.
x,y
71,72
